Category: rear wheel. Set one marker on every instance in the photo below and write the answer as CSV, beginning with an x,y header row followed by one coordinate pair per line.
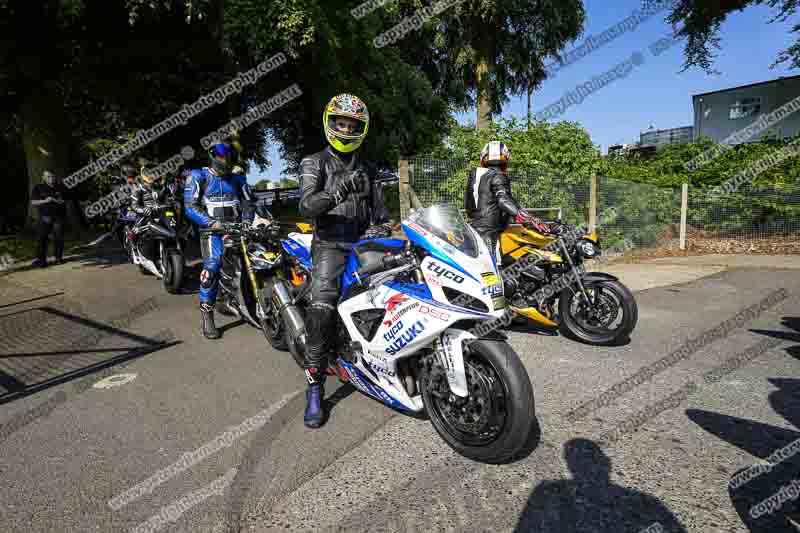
x,y
272,326
494,422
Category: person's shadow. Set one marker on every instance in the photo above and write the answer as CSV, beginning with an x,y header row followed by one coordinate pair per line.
x,y
590,502
756,483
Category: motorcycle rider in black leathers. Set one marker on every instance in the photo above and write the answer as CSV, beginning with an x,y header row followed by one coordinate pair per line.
x,y
488,200
147,193
338,194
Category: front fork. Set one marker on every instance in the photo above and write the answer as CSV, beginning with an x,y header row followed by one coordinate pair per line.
x,y
449,347
589,301
260,312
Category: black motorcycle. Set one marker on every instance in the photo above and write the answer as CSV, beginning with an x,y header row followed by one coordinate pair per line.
x,y
154,243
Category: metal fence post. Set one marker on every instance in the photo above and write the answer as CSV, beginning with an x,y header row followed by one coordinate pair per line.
x,y
684,210
593,203
405,196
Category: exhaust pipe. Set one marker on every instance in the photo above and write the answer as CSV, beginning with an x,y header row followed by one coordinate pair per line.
x,y
290,314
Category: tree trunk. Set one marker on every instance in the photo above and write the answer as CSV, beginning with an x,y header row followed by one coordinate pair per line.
x,y
45,139
485,47
313,130
530,93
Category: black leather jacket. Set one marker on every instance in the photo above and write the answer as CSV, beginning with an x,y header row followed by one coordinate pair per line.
x,y
346,222
143,197
489,203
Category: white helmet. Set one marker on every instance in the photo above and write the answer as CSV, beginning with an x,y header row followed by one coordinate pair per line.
x,y
495,154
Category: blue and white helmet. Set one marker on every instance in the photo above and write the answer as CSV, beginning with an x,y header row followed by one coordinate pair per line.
x,y
495,154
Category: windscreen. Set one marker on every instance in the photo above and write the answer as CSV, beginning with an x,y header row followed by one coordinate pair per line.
x,y
446,222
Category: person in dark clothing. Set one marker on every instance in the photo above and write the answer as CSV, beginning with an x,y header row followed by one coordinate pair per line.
x,y
147,193
338,195
488,200
49,197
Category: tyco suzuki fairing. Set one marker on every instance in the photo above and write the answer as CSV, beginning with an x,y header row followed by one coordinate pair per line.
x,y
407,310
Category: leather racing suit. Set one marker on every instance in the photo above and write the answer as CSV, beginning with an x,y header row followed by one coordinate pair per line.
x,y
489,204
142,199
209,198
336,229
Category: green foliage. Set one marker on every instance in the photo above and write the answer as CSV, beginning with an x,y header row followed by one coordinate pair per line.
x,y
699,22
550,165
287,183
515,37
764,202
391,194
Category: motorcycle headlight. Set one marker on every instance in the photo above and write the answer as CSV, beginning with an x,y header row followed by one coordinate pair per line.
x,y
588,249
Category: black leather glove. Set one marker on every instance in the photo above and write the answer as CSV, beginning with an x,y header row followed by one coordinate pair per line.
x,y
378,232
351,184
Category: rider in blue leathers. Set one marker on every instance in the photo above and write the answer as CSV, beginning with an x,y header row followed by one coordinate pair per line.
x,y
214,195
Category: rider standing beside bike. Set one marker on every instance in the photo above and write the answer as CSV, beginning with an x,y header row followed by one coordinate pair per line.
x,y
488,200
214,195
338,195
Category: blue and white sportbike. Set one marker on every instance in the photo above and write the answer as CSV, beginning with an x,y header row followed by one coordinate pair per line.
x,y
407,336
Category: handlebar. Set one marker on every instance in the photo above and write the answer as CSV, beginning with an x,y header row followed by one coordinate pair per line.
x,y
240,228
389,262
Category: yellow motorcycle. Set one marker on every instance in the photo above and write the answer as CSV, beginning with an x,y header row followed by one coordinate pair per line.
x,y
554,289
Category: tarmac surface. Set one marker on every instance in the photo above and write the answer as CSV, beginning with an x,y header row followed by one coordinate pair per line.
x,y
209,434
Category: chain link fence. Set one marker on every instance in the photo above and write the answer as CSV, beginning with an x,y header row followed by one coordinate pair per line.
x,y
445,181
749,220
633,215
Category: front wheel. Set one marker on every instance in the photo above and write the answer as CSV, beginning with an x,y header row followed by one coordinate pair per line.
x,y
608,319
495,421
173,272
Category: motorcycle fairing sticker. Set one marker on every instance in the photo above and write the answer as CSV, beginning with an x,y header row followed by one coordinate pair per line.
x,y
362,383
297,250
427,297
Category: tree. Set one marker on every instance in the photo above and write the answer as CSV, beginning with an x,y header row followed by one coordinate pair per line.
x,y
288,183
699,22
495,48
105,71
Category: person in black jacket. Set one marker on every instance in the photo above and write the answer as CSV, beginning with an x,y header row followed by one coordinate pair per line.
x,y
337,193
488,200
50,198
148,192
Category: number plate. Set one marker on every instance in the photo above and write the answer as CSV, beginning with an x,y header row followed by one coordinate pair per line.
x,y
170,214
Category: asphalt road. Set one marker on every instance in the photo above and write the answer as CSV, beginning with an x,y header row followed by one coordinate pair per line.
x,y
212,430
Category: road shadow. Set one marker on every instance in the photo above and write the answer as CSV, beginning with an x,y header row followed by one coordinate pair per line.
x,y
69,351
29,300
591,502
750,486
342,392
230,325
789,322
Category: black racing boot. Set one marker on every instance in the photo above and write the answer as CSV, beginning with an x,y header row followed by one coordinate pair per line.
x,y
313,415
210,330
